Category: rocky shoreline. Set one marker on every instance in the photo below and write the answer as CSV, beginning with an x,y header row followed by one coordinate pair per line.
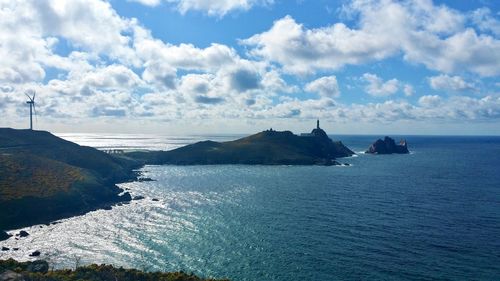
x,y
39,270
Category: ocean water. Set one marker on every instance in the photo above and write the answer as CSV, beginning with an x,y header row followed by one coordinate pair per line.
x,y
139,142
430,215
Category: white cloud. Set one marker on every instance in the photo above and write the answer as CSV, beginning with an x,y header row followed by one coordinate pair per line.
x,y
114,77
150,3
465,50
31,30
485,21
302,51
123,71
100,79
273,82
431,107
326,86
450,83
201,88
379,88
160,74
92,25
210,7
430,101
186,56
424,33
408,90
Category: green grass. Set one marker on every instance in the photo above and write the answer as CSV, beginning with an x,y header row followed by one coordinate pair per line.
x,y
24,175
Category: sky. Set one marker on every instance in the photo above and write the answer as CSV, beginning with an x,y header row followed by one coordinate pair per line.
x,y
179,67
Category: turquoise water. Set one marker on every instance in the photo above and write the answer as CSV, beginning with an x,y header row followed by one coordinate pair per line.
x,y
433,214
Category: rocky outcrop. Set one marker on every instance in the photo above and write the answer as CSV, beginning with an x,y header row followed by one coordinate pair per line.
x,y
35,254
4,235
388,146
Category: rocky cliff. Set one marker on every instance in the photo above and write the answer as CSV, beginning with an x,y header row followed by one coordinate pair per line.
x,y
388,146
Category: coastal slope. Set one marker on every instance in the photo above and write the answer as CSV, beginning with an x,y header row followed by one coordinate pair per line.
x,y
45,178
265,148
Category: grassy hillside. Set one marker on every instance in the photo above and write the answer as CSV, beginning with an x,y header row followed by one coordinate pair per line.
x,y
22,175
267,148
43,178
46,145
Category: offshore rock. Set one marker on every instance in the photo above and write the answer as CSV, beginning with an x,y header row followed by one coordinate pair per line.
x,y
388,146
35,254
4,235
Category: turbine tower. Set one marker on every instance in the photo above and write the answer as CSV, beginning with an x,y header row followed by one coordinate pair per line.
x,y
31,102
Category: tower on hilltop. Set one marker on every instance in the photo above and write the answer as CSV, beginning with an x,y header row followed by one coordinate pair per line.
x,y
317,124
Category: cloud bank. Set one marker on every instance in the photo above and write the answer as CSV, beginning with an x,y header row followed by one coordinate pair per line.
x,y
288,71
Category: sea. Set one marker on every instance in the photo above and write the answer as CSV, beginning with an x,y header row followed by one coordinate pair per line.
x,y
431,215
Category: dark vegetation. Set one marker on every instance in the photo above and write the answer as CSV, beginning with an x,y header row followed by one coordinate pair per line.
x,y
266,148
39,271
45,178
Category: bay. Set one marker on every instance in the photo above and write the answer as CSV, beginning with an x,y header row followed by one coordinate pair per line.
x,y
433,214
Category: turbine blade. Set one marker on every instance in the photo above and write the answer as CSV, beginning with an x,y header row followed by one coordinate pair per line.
x,y
29,97
34,93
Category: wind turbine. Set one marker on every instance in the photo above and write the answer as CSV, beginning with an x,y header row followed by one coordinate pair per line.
x,y
31,102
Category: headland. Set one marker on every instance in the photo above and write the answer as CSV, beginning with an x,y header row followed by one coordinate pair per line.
x,y
45,178
268,147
